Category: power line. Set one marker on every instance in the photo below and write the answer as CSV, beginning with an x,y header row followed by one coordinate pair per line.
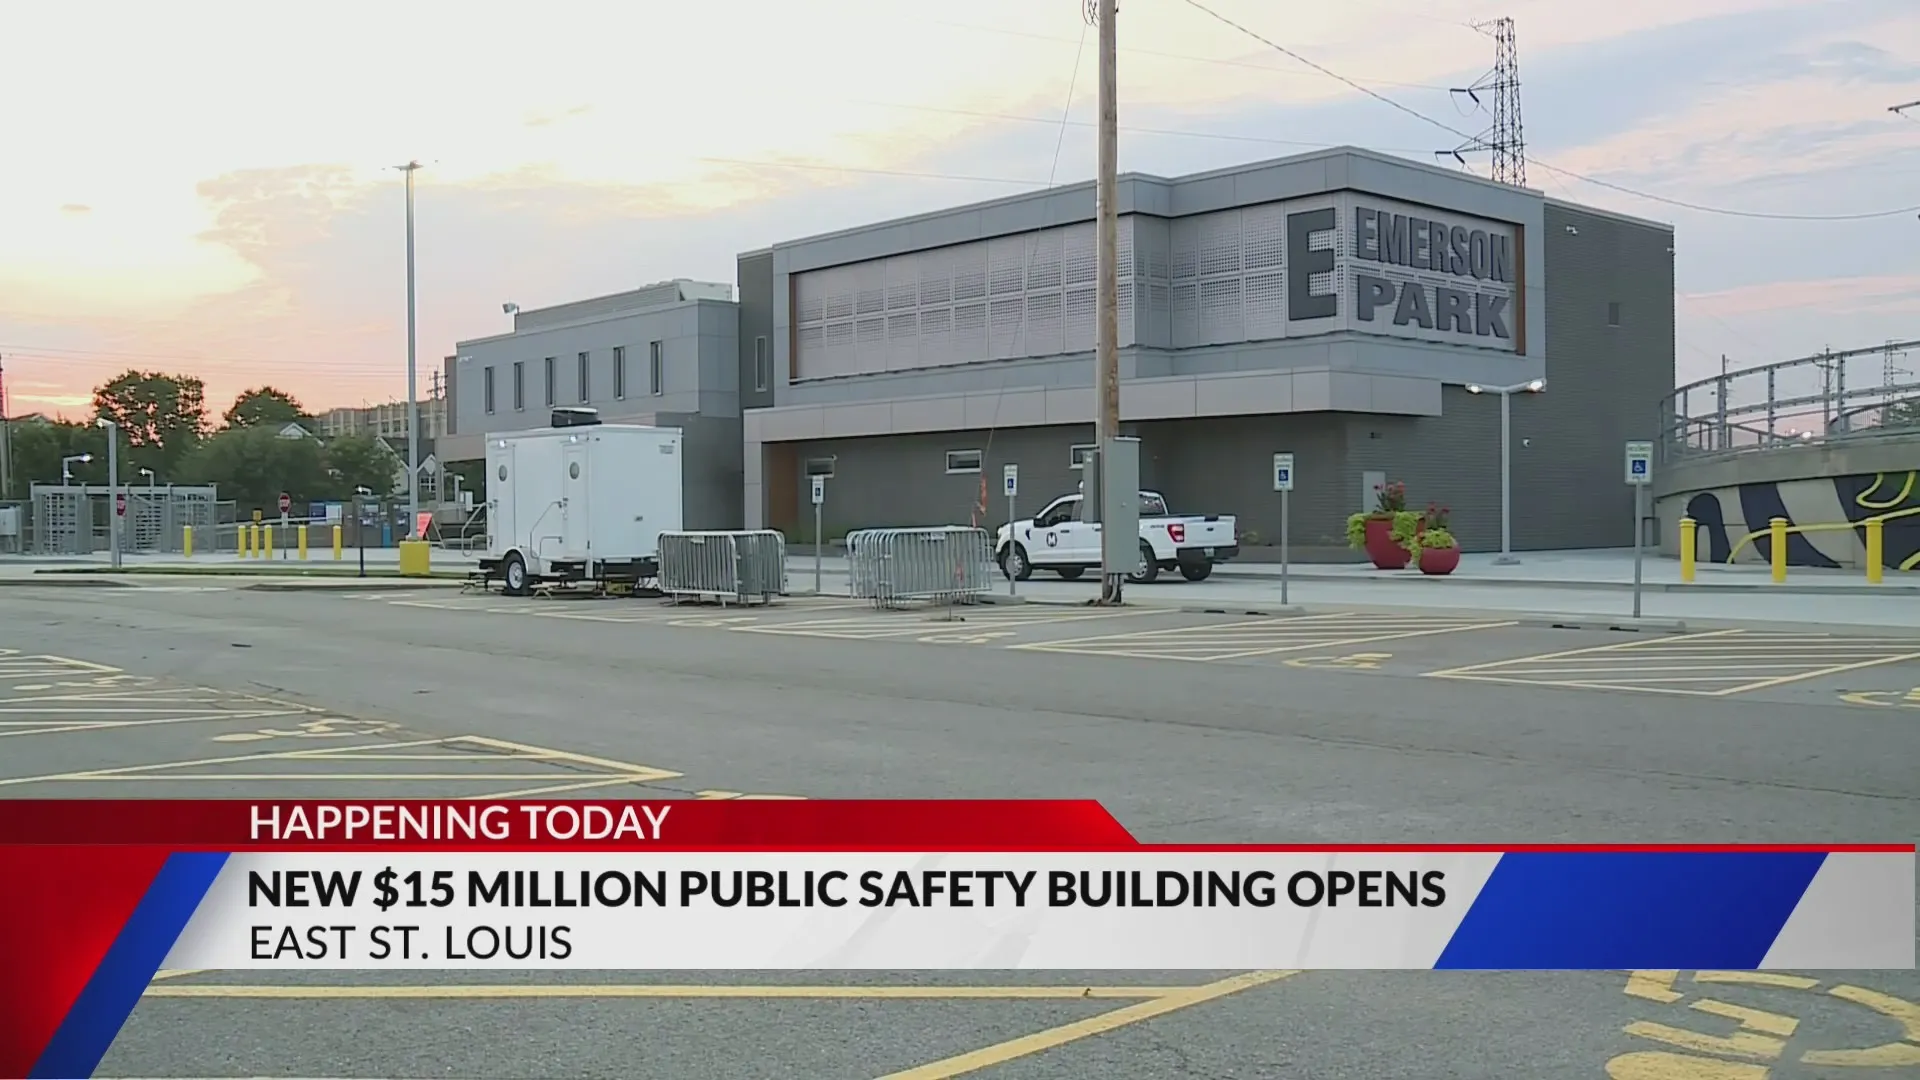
x,y
1570,174
1187,57
1052,121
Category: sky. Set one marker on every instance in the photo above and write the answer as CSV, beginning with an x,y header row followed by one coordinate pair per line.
x,y
211,186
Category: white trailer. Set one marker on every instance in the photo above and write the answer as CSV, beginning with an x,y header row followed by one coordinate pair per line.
x,y
585,502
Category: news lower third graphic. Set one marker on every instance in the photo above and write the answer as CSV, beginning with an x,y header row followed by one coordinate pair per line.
x,y
117,891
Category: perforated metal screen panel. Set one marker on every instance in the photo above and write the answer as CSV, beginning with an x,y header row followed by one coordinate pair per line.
x,y
1206,279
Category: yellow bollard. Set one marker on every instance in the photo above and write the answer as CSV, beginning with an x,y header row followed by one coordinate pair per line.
x,y
1876,550
1688,533
303,543
266,541
1777,541
186,541
244,531
336,543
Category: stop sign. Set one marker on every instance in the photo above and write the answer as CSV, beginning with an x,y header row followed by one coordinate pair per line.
x,y
120,505
286,502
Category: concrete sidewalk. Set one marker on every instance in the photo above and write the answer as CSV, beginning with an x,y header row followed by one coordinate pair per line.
x,y
1258,589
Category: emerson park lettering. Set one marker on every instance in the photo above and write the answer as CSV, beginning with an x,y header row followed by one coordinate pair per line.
x,y
1417,243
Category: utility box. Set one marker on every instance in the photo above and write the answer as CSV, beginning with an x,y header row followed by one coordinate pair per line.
x,y
581,502
1119,485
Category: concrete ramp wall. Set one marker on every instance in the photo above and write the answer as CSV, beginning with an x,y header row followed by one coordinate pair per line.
x,y
1824,490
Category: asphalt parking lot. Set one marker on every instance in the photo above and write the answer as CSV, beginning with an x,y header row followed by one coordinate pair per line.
x,y
1335,727
1857,669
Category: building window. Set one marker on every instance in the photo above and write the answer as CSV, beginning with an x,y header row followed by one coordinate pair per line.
x,y
486,386
1613,313
963,461
656,369
586,378
619,373
1077,455
551,378
519,385
762,365
820,466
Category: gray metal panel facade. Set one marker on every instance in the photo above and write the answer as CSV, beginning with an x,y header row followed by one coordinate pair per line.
x,y
757,366
699,387
1205,265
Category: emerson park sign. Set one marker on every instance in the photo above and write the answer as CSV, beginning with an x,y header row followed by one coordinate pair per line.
x,y
1476,302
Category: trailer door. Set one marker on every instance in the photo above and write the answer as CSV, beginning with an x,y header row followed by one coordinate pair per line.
x,y
574,503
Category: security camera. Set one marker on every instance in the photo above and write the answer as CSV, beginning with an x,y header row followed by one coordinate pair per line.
x,y
511,309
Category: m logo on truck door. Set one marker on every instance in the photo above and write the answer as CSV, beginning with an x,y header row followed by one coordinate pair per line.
x,y
1053,539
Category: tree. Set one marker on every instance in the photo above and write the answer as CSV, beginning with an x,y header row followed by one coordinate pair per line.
x,y
162,417
253,465
264,406
40,445
361,461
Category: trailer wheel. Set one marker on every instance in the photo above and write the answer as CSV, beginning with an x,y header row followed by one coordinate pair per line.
x,y
514,575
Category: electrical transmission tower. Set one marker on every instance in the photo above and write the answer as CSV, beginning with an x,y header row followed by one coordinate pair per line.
x,y
1505,139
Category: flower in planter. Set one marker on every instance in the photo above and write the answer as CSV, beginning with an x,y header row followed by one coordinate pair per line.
x,y
1438,517
1389,498
1357,531
1407,527
1436,538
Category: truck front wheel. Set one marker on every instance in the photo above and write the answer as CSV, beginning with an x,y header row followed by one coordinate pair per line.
x,y
1014,564
1148,570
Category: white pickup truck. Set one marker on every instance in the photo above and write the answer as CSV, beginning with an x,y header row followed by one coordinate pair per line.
x,y
1057,540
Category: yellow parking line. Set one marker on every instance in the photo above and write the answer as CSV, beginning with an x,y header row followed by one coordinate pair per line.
x,y
1026,1045
1838,669
649,990
1207,644
1622,646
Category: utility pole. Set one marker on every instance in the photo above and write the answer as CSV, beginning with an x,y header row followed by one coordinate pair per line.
x,y
413,401
6,438
1106,379
1504,139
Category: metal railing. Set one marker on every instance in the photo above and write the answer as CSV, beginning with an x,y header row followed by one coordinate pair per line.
x,y
944,565
1832,396
740,567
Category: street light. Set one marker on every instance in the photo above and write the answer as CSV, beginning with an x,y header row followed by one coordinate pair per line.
x,y
1532,386
360,496
66,466
113,484
413,403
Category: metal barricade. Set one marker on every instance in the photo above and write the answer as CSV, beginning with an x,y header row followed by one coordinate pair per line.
x,y
743,567
950,564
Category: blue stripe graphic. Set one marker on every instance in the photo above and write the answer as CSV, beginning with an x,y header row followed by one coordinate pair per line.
x,y
1585,911
123,975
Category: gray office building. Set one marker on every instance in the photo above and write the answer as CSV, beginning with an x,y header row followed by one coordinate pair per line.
x,y
1334,305
666,354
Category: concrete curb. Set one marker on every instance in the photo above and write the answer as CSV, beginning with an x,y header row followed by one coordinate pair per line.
x,y
1261,612
349,585
1391,577
1605,622
66,583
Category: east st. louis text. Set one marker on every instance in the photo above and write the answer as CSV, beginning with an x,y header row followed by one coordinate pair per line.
x,y
525,889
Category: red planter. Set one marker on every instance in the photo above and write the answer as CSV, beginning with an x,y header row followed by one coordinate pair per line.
x,y
1381,547
1439,560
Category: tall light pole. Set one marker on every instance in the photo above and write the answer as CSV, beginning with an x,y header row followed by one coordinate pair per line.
x,y
1106,350
413,401
1506,393
113,486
